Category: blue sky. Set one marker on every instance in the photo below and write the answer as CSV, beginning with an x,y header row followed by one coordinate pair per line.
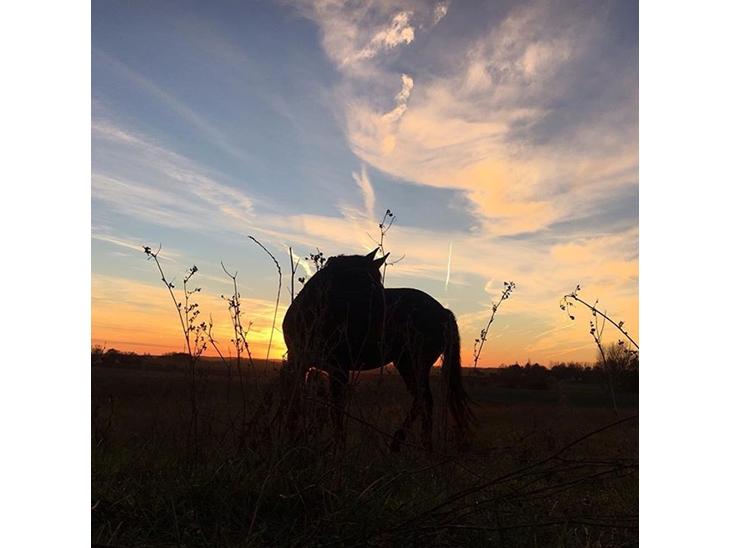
x,y
506,130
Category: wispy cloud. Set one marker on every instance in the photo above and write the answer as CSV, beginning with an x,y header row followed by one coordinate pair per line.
x,y
526,117
200,123
448,268
355,34
462,128
183,195
127,244
399,31
606,264
439,11
368,194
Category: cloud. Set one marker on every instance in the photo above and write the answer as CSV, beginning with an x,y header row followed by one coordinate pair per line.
x,y
167,188
448,268
356,36
371,130
398,32
606,265
530,118
406,89
133,246
169,101
368,194
303,263
469,127
439,11
127,244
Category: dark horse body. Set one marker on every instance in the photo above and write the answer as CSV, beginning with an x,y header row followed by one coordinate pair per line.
x,y
344,320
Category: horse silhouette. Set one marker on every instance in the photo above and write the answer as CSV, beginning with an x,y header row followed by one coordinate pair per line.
x,y
344,320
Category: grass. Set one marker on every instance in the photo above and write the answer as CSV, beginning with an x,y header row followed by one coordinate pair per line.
x,y
545,467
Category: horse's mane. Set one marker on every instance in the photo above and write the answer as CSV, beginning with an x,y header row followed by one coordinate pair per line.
x,y
348,261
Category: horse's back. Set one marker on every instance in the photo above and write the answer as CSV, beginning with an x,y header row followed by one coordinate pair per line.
x,y
414,319
408,301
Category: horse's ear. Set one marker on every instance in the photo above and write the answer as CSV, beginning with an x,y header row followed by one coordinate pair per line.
x,y
372,254
379,262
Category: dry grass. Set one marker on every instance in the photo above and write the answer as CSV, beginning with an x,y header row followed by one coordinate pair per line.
x,y
545,468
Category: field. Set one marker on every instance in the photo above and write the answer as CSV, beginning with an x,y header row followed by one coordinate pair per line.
x,y
553,467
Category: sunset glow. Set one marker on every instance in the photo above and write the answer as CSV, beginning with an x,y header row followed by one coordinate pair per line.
x,y
504,137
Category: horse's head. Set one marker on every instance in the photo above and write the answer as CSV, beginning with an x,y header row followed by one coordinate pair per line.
x,y
358,263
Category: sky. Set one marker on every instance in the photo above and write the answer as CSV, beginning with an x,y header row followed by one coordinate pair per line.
x,y
503,135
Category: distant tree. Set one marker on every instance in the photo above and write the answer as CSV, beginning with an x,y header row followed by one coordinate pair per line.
x,y
620,365
618,359
97,354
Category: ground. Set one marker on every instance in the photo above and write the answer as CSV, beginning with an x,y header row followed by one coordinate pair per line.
x,y
552,467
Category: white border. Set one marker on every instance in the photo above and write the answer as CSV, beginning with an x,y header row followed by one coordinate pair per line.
x,y
685,385
45,274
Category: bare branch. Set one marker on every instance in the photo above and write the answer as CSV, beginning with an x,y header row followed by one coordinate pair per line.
x,y
509,287
278,295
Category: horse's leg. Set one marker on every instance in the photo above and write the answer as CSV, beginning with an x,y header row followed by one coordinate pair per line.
x,y
405,369
294,378
424,388
338,386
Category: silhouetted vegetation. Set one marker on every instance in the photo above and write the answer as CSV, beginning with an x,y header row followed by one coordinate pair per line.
x,y
546,468
539,377
619,363
385,224
180,459
509,287
567,302
278,294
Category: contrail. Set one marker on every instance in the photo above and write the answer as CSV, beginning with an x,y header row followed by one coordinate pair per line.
x,y
448,269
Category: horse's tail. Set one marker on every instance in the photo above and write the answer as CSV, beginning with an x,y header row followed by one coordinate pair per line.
x,y
456,398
